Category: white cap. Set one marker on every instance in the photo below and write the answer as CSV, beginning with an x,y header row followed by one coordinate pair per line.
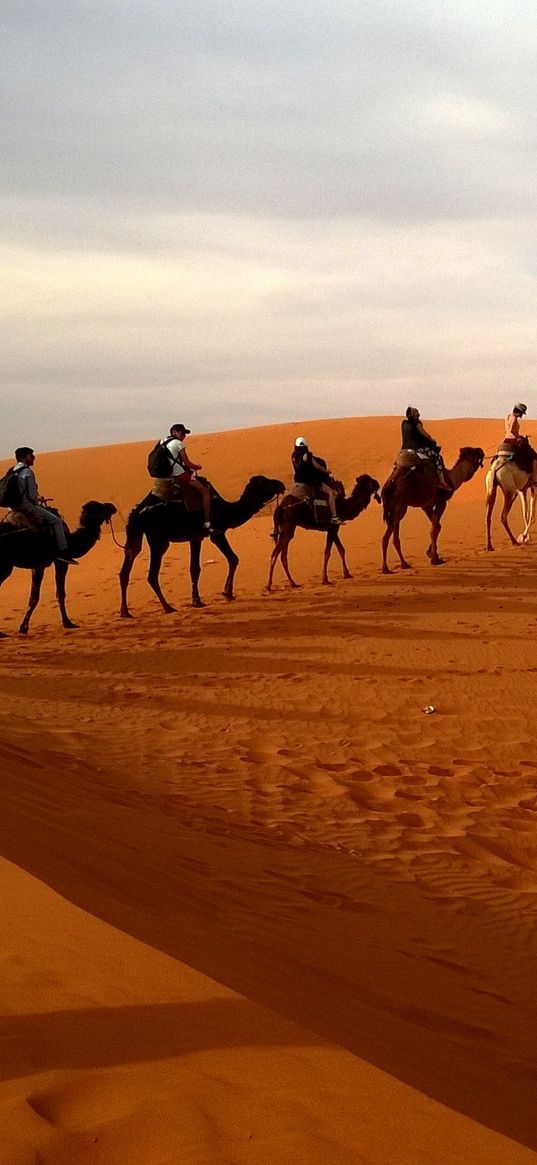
x,y
301,441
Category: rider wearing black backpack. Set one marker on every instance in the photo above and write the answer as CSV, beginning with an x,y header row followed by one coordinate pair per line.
x,y
25,500
171,469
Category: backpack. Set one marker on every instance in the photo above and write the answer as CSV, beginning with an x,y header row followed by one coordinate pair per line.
x,y
160,460
10,494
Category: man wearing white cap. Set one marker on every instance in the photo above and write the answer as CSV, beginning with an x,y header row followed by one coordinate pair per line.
x,y
311,473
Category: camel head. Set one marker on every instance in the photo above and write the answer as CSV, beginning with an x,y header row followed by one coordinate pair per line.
x,y
367,485
473,456
95,513
263,489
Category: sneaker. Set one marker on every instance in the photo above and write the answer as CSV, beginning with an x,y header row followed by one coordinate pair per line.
x,y
208,528
336,521
65,558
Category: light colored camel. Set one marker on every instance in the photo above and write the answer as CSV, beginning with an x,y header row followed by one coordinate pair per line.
x,y
512,481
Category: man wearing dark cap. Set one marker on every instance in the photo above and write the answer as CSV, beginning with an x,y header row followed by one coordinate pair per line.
x,y
522,450
180,481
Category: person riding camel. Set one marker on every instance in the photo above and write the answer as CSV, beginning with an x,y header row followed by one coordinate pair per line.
x,y
415,437
311,473
33,506
522,450
180,480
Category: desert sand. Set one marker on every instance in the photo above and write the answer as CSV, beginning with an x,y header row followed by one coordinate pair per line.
x,y
256,906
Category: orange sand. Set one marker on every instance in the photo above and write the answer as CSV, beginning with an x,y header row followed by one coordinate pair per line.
x,y
256,906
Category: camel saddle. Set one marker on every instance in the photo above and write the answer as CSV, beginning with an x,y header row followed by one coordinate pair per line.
x,y
316,499
17,520
410,459
520,451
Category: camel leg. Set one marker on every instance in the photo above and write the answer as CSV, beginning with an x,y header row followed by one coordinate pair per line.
x,y
527,503
397,544
341,550
434,513
273,560
195,571
333,539
385,543
222,544
285,563
433,549
491,501
132,551
281,550
157,552
327,552
507,505
37,579
61,569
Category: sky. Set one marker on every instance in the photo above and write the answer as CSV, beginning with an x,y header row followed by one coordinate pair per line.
x,y
236,213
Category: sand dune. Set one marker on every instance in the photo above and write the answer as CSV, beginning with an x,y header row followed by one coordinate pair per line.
x,y
259,907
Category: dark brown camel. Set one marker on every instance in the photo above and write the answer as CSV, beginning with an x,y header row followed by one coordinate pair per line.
x,y
162,523
34,550
419,487
292,513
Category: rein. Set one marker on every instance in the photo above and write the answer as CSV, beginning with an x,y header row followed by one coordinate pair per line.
x,y
122,545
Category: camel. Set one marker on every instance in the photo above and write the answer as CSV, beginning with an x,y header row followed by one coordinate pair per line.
x,y
419,487
162,523
512,481
292,513
34,550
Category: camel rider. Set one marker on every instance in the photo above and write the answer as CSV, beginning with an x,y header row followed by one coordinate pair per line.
x,y
311,473
170,489
415,437
32,505
514,437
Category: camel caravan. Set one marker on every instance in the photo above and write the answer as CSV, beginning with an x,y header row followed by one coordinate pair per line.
x,y
183,506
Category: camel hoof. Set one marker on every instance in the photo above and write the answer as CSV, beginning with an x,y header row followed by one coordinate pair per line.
x,y
125,615
386,570
347,575
171,610
69,625
406,566
3,635
195,603
326,582
295,586
437,561
230,598
23,630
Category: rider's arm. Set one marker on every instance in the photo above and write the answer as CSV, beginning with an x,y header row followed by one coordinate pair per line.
x,y
188,464
322,468
29,485
424,432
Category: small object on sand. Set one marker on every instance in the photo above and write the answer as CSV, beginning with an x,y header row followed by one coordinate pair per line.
x,y
428,711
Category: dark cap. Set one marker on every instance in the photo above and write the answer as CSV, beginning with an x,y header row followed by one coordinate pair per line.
x,y
179,425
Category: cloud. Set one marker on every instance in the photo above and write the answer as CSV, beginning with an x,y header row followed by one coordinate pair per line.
x,y
252,207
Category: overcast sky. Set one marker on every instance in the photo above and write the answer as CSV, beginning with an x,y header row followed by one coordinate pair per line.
x,y
232,213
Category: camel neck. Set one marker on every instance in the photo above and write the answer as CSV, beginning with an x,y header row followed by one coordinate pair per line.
x,y
82,540
461,472
234,513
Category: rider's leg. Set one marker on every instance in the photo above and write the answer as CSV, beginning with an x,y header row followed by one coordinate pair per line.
x,y
331,496
205,499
